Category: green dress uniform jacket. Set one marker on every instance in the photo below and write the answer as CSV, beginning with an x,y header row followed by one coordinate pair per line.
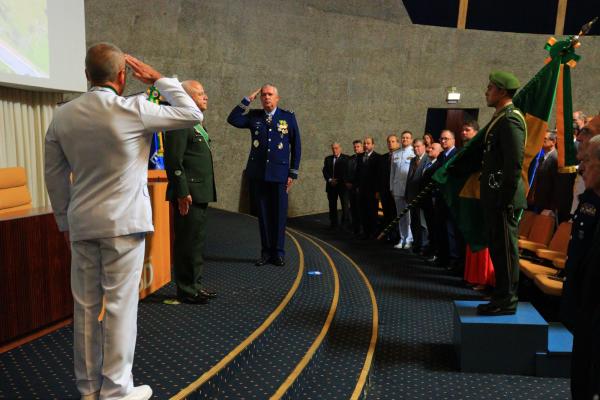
x,y
501,183
189,165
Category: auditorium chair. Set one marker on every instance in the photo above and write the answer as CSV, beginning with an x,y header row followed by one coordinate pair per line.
x,y
14,195
526,223
549,284
557,249
558,245
540,234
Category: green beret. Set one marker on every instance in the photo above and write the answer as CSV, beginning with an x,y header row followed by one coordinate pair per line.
x,y
504,80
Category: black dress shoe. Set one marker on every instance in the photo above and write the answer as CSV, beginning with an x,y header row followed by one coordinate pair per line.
x,y
197,299
262,261
278,261
210,294
491,309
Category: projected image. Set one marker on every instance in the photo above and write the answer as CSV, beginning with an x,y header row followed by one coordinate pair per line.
x,y
24,38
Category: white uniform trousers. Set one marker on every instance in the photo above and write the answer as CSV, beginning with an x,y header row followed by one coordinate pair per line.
x,y
404,223
103,352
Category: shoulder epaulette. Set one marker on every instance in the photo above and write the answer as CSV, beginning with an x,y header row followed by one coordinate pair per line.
x,y
516,112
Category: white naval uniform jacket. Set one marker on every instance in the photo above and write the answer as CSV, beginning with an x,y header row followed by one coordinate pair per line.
x,y
399,170
104,140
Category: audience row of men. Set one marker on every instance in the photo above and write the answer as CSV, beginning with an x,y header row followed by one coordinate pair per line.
x,y
394,179
553,191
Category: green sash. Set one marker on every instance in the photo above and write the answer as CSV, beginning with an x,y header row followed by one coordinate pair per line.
x,y
200,129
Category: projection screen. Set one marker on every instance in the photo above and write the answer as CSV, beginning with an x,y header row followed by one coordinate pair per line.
x,y
42,44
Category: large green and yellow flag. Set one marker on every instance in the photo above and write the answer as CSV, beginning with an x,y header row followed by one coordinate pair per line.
x,y
552,84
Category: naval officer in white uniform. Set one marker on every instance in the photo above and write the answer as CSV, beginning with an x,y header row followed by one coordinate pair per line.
x,y
96,161
398,177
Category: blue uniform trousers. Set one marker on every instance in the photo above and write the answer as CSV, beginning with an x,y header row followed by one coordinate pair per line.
x,y
272,204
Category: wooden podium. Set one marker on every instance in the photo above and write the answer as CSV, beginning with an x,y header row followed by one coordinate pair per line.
x,y
35,292
157,261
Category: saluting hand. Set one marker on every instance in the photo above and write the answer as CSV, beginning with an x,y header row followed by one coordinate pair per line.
x,y
254,94
142,71
184,204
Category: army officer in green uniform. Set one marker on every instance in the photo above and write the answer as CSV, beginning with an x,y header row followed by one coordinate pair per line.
x,y
189,165
502,189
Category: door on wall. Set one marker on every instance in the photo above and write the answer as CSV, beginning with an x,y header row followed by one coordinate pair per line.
x,y
453,119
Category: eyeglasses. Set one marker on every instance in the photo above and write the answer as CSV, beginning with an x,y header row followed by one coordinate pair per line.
x,y
443,139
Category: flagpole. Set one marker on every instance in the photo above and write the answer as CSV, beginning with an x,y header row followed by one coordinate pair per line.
x,y
426,190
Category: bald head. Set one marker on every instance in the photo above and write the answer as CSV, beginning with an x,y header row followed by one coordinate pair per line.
x,y
196,91
434,150
103,63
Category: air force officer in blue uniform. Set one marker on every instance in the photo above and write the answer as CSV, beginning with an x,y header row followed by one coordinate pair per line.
x,y
272,166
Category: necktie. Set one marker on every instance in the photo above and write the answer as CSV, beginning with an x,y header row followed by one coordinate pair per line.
x,y
333,167
269,119
427,165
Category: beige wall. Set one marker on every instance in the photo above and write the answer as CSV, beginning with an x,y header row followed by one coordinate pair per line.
x,y
347,69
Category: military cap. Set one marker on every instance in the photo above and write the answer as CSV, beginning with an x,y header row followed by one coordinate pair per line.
x,y
504,80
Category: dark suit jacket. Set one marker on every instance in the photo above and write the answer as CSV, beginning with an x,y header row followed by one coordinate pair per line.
x,y
189,165
415,176
443,158
544,184
426,179
340,171
352,170
383,172
368,173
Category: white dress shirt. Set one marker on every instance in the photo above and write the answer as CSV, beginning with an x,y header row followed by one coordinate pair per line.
x,y
104,140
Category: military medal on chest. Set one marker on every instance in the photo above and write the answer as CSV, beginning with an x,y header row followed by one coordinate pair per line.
x,y
282,127
256,143
280,146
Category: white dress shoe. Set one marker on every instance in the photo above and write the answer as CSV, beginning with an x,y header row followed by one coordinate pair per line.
x,y
400,245
91,396
407,245
143,392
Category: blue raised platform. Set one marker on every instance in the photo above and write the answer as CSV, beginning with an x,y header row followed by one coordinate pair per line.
x,y
505,344
556,362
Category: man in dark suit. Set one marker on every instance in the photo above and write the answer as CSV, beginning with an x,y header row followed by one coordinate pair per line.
x,y
351,182
272,166
189,166
418,226
335,170
543,194
385,194
430,201
451,249
367,188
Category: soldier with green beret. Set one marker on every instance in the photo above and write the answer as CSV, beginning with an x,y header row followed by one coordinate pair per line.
x,y
502,189
189,165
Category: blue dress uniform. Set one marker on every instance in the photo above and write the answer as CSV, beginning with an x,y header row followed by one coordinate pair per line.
x,y
274,157
580,303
